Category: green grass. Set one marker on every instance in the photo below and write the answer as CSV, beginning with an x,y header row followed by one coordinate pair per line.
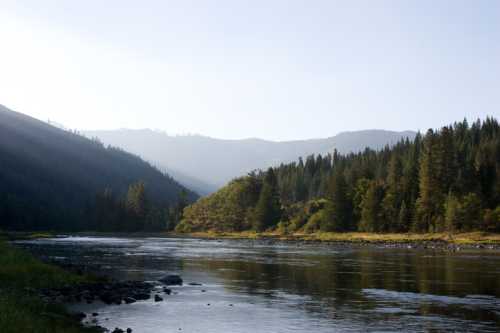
x,y
19,269
20,309
20,313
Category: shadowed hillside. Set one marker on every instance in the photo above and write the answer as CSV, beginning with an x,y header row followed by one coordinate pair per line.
x,y
49,177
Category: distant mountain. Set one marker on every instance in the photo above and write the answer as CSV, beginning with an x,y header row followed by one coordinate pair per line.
x,y
210,163
50,176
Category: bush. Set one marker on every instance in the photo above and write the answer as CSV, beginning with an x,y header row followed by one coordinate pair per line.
x,y
283,227
299,214
315,221
491,220
184,227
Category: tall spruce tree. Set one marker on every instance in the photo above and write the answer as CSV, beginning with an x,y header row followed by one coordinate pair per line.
x,y
372,216
394,194
338,210
429,204
268,210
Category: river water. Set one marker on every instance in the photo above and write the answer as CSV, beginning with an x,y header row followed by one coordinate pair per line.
x,y
254,286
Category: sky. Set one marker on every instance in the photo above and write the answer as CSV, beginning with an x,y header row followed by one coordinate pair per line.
x,y
273,69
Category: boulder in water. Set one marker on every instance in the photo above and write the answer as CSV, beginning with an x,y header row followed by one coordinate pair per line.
x,y
171,280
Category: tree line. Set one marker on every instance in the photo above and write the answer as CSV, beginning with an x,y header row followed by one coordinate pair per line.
x,y
446,180
133,212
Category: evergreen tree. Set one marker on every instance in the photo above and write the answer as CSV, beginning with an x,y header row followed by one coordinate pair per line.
x,y
394,194
137,206
404,218
472,212
360,190
453,213
372,217
268,210
338,210
429,204
136,199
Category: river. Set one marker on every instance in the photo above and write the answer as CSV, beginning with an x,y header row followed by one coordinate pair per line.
x,y
258,286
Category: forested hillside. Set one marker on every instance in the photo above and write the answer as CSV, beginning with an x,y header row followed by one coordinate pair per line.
x,y
55,179
445,180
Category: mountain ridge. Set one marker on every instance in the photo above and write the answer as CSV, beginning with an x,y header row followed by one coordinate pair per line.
x,y
214,161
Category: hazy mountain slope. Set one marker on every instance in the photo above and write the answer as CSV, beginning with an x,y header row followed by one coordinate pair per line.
x,y
49,175
216,161
192,183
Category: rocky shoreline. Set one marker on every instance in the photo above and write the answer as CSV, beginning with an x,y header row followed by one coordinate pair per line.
x,y
110,292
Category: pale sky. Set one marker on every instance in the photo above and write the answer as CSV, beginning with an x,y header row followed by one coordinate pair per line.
x,y
233,69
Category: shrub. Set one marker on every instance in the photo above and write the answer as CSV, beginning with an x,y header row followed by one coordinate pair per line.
x,y
315,221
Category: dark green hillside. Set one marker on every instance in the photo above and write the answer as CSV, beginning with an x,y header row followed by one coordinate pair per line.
x,y
444,181
50,178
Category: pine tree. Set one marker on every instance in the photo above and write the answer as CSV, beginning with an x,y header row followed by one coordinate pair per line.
x,y
453,214
372,217
404,218
429,204
360,190
268,209
472,212
137,205
338,210
393,198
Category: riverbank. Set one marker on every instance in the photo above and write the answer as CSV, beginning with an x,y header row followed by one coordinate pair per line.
x,y
21,308
475,239
472,239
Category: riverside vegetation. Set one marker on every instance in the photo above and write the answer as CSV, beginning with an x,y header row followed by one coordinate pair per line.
x,y
445,181
33,294
21,310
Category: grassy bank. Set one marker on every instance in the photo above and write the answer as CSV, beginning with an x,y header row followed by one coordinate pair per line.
x,y
359,237
20,308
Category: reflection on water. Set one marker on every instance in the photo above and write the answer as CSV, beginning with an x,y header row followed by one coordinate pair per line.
x,y
253,287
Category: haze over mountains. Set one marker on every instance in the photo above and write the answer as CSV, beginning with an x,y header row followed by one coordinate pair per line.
x,y
205,164
49,177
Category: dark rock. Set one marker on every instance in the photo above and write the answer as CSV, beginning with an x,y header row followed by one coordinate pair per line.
x,y
129,300
110,298
100,329
167,291
80,316
118,330
129,330
95,314
141,296
195,284
171,280
158,298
